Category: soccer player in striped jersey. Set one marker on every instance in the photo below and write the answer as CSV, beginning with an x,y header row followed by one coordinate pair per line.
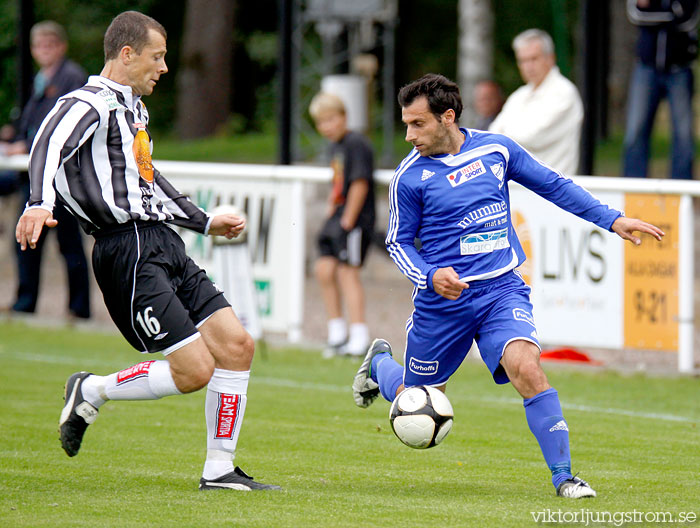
x,y
451,192
94,150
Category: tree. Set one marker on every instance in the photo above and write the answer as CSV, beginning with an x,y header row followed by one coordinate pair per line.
x,y
475,55
204,74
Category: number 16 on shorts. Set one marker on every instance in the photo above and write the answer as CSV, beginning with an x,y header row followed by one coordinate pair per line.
x,y
150,324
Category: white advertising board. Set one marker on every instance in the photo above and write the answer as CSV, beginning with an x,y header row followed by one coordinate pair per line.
x,y
275,239
575,270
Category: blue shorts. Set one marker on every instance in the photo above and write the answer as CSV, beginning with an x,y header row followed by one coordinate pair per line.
x,y
440,332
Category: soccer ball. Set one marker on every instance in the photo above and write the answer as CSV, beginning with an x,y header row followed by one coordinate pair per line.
x,y
421,416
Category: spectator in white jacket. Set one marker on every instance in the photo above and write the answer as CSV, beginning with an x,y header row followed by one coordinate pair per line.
x,y
545,115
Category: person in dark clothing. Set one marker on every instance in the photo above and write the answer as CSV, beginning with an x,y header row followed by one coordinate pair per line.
x,y
346,235
57,76
666,48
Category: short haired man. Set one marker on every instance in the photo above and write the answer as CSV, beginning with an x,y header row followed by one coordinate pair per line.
x,y
346,235
57,76
545,115
466,290
94,150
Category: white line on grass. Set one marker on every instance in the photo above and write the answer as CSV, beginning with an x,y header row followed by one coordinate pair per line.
x,y
94,361
279,382
293,384
602,410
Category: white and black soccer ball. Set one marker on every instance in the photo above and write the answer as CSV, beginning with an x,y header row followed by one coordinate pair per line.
x,y
421,416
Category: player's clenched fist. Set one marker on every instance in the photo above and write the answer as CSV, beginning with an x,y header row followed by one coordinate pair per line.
x,y
228,225
446,283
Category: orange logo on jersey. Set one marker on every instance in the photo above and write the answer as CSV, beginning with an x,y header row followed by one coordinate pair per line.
x,y
525,237
142,155
337,197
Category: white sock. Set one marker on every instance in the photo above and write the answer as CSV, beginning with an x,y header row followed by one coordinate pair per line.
x,y
337,331
359,335
224,409
358,342
149,380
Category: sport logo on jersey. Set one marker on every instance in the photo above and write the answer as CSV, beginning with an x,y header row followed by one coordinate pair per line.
x,y
142,154
226,415
110,98
466,173
483,242
497,170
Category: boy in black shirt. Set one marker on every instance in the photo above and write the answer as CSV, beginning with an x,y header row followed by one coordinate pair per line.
x,y
346,234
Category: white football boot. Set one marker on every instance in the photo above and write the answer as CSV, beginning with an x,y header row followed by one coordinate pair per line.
x,y
364,389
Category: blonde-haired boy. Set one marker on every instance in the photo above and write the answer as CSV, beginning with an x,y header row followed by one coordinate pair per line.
x,y
347,232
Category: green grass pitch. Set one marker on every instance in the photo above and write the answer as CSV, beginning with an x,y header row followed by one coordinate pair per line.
x,y
634,438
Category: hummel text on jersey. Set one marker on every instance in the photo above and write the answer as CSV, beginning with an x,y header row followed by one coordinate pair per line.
x,y
466,173
484,214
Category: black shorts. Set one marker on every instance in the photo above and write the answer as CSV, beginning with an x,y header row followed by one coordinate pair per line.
x,y
349,247
157,296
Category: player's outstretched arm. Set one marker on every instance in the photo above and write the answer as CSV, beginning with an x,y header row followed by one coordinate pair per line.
x,y
228,225
625,227
30,225
446,283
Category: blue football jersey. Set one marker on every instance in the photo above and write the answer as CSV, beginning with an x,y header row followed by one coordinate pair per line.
x,y
459,208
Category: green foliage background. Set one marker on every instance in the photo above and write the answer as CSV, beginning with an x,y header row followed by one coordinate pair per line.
x,y
426,41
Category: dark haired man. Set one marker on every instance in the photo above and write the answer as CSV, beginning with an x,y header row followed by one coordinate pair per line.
x,y
94,150
452,193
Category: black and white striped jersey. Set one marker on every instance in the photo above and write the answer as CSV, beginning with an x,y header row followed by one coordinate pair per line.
x,y
93,150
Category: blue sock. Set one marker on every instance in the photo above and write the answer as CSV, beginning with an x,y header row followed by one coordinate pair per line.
x,y
388,373
546,421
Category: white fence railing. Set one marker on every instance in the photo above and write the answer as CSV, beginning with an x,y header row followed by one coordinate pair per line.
x,y
273,198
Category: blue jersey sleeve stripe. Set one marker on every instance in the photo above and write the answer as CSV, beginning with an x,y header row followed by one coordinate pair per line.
x,y
398,255
393,200
393,197
396,252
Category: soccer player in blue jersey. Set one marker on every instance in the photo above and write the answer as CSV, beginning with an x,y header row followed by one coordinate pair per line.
x,y
451,192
